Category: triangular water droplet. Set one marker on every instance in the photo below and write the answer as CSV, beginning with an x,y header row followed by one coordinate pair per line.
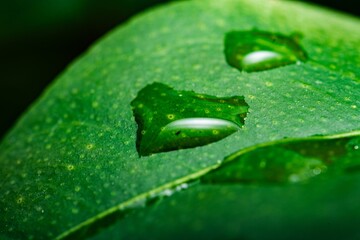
x,y
169,120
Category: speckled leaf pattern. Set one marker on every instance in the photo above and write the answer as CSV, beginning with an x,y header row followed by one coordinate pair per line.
x,y
71,161
170,120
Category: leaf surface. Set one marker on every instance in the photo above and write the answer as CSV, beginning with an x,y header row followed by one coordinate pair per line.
x,y
71,160
249,196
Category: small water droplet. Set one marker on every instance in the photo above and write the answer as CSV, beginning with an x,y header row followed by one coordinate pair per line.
x,y
193,121
255,50
317,171
167,192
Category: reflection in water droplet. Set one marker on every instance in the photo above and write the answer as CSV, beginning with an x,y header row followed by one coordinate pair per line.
x,y
289,162
259,56
201,123
170,120
252,51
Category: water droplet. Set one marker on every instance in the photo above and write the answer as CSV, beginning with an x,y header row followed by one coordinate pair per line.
x,y
171,120
167,192
255,50
284,162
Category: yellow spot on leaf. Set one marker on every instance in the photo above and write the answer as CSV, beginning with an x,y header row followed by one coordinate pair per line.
x,y
70,167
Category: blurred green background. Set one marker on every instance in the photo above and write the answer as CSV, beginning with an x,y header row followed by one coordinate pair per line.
x,y
39,38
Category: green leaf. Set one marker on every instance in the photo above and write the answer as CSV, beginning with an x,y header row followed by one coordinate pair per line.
x,y
70,163
242,198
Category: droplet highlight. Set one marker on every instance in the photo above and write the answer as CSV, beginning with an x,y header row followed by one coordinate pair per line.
x,y
252,51
170,120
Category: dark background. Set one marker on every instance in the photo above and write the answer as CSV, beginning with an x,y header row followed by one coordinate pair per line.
x,y
39,38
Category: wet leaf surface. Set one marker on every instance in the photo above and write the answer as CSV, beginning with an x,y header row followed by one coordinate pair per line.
x,y
71,161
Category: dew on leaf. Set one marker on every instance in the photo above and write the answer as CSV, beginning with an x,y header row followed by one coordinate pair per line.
x,y
255,50
170,120
287,162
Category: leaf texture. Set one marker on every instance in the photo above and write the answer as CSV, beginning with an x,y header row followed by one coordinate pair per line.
x,y
71,160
